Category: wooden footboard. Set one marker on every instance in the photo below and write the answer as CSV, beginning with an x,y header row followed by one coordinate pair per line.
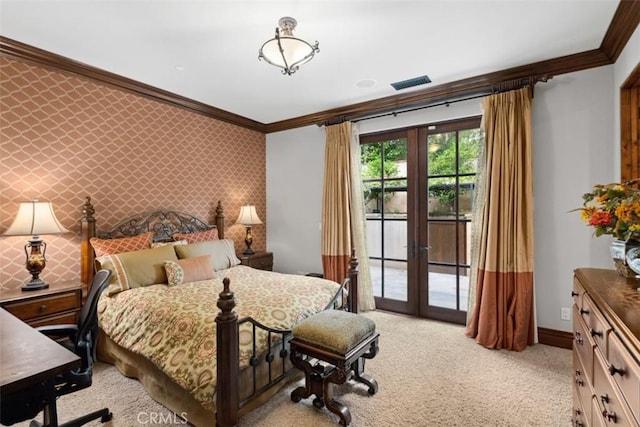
x,y
229,403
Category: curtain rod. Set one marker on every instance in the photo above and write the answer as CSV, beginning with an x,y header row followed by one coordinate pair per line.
x,y
436,104
503,86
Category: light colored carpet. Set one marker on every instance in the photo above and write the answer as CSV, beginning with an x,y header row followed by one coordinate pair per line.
x,y
429,374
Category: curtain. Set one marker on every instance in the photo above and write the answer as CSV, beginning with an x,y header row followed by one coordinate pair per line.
x,y
503,311
366,300
343,223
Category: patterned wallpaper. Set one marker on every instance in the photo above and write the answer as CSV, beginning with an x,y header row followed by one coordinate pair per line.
x,y
63,138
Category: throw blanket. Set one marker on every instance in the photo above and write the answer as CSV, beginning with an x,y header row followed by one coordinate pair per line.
x,y
175,327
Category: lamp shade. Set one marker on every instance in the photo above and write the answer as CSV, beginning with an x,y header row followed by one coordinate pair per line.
x,y
248,216
35,218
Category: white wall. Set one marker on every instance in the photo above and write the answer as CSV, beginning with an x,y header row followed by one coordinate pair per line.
x,y
295,167
575,137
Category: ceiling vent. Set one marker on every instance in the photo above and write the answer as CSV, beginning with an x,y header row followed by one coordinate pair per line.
x,y
416,81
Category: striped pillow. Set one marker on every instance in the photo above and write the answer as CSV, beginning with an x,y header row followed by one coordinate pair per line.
x,y
189,270
125,244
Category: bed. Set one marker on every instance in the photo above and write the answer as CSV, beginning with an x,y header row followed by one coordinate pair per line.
x,y
209,339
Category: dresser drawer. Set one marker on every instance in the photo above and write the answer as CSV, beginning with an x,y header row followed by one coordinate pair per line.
x,y
596,420
577,293
65,318
612,407
44,306
597,327
581,390
583,344
625,372
259,260
578,414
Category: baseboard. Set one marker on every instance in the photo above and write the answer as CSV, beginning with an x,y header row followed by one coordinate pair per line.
x,y
555,338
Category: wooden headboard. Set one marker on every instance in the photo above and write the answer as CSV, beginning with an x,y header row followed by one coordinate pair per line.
x,y
163,223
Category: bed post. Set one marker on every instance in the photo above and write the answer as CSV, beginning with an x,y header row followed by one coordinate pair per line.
x,y
228,370
219,220
87,231
353,285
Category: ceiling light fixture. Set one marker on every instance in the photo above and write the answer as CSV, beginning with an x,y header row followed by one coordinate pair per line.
x,y
286,51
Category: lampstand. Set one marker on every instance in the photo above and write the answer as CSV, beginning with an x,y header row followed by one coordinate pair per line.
x,y
248,240
248,217
35,218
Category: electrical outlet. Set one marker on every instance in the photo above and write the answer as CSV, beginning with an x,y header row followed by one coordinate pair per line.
x,y
565,313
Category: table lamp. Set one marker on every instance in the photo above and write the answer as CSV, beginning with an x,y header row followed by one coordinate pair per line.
x,y
248,217
35,218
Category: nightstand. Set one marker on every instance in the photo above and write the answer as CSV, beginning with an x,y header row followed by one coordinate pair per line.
x,y
59,303
259,260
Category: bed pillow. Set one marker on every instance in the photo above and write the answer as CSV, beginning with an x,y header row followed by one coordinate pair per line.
x,y
200,236
222,253
189,270
171,243
124,244
137,268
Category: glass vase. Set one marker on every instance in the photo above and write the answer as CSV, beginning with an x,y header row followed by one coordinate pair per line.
x,y
619,250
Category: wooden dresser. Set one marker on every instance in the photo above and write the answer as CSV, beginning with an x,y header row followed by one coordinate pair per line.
x,y
59,303
606,349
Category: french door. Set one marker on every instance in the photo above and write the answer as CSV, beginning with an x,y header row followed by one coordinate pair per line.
x,y
418,188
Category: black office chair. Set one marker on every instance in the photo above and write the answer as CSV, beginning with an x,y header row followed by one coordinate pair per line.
x,y
81,340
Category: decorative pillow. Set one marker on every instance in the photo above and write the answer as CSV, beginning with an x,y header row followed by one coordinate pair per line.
x,y
222,253
172,243
200,236
137,268
125,244
189,270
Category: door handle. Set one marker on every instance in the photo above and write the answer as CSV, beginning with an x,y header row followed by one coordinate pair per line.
x,y
423,248
412,249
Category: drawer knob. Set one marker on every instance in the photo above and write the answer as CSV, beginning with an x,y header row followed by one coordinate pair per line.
x,y
578,338
593,333
43,308
574,294
610,416
583,311
613,370
579,382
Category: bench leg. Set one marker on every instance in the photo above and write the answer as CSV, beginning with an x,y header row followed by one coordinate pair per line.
x,y
361,377
313,376
339,376
358,368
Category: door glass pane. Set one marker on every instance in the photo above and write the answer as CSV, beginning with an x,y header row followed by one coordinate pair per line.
x,y
395,158
452,164
384,177
470,141
442,197
395,279
442,153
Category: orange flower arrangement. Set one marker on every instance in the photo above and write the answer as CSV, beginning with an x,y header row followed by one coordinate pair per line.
x,y
613,209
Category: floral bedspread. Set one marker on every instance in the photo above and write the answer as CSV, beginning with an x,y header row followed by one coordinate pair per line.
x,y
175,327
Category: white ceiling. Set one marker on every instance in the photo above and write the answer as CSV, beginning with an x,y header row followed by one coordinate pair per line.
x,y
216,43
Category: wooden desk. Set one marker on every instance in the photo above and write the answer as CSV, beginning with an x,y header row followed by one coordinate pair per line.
x,y
28,357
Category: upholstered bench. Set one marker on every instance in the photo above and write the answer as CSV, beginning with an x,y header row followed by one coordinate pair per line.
x,y
340,339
